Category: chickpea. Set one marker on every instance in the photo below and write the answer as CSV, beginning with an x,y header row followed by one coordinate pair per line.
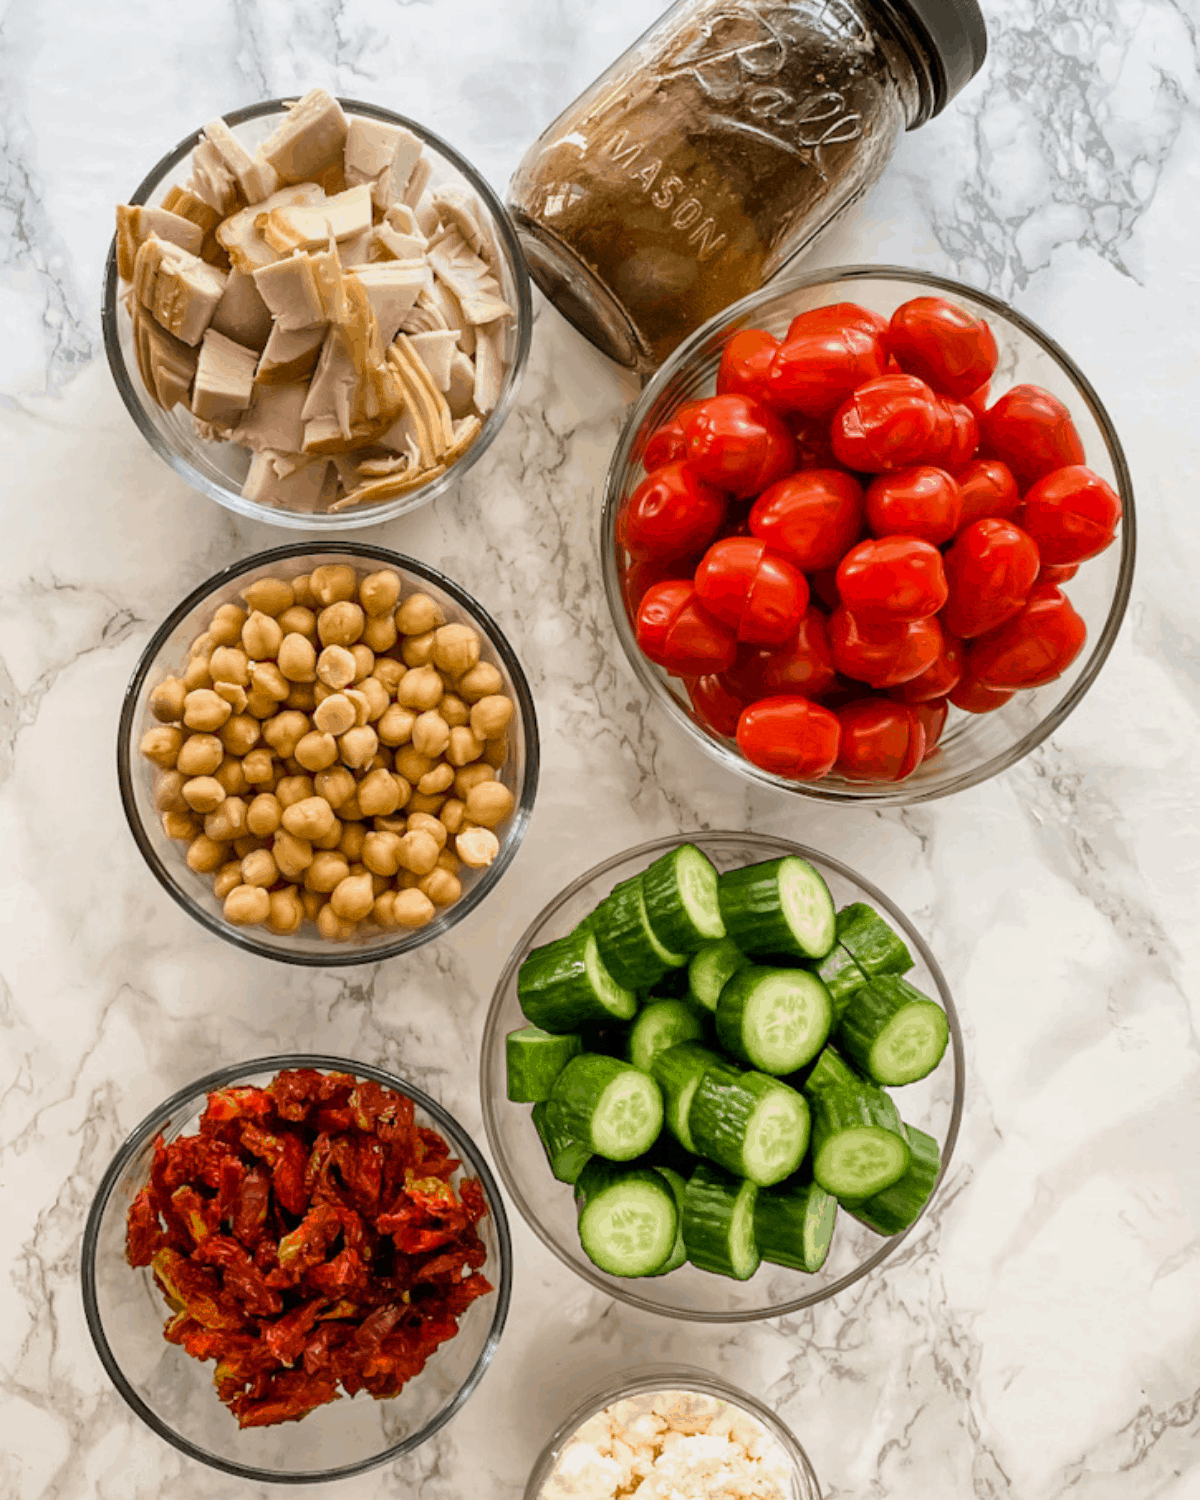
x,y
228,822
482,681
168,792
233,694
395,727
247,844
436,782
362,708
336,785
302,697
196,674
417,650
420,688
380,592
351,842
293,856
403,788
491,716
229,664
412,908
162,745
333,582
203,793
495,752
332,839
340,624
472,776
376,697
336,667
180,825
268,681
364,661
269,595
350,810
454,809
454,710
227,624
261,705
380,853
332,928
297,658
240,734
204,856
489,803
378,794
455,649
202,647
293,789
425,802
357,746
312,818
302,590
407,881
388,671
353,898
380,633
382,912
299,620
312,902
260,868
247,906
231,776
204,710
434,827
328,869
412,765
418,851
477,847
442,888
317,751
431,733
261,636
465,746
264,815
166,700
335,715
448,860
286,913
382,760
258,767
229,875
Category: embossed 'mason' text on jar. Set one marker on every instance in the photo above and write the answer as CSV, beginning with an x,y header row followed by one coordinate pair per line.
x,y
717,147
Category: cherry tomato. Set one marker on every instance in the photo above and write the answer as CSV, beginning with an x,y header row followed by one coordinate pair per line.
x,y
883,655
1061,574
638,576
978,400
736,443
836,316
990,570
1032,648
810,518
938,679
974,698
674,631
894,578
943,344
922,502
988,489
672,513
757,595
811,437
665,445
1071,514
881,741
1031,431
814,373
933,720
746,363
888,423
790,736
716,705
802,665
955,436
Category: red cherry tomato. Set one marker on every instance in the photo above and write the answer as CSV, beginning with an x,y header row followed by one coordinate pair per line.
x,y
978,400
738,444
811,437
881,741
814,373
922,502
938,679
933,720
893,578
637,577
888,423
746,363
810,518
974,698
883,655
1033,647
1071,514
943,344
1062,574
760,597
955,437
836,316
990,570
716,705
802,665
672,513
789,736
665,445
988,489
674,631
1031,431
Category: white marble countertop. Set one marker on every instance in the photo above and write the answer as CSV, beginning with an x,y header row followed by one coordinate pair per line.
x,y
1041,1336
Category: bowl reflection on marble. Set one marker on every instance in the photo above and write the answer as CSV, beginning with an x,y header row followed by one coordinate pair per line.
x,y
167,653
173,1393
973,747
935,1104
217,469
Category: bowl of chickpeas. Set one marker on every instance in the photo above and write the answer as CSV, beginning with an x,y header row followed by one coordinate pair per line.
x,y
328,756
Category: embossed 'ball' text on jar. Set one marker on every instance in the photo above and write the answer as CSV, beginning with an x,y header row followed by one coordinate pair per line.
x,y
714,151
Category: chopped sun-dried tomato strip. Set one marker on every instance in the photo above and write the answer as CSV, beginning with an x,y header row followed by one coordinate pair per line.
x,y
143,1232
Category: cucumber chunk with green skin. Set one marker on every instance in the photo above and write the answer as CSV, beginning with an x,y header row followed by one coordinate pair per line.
x,y
535,1058
628,1220
566,1155
876,947
678,1072
781,906
895,1208
566,983
711,969
616,1110
892,1032
678,1256
681,900
793,1224
776,1020
628,946
659,1025
718,1223
858,1143
841,974
749,1124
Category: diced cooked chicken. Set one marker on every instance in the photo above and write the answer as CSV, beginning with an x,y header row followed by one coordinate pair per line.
x,y
489,366
457,207
212,180
425,317
272,420
310,139
356,251
286,485
290,356
242,314
242,233
415,196
468,277
436,352
392,288
224,379
390,244
422,398
291,290
460,393
177,288
463,435
382,156
185,203
166,365
333,390
135,225
356,393
305,227
255,176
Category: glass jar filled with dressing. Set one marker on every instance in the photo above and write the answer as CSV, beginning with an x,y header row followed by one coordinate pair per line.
x,y
716,149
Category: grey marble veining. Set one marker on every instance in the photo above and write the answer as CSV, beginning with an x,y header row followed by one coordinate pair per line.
x,y
1039,1338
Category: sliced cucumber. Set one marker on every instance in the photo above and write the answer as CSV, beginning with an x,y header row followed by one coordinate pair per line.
x,y
892,1032
614,1109
563,984
895,1208
629,1219
659,1025
775,1020
877,947
711,968
678,1072
749,1124
678,1256
681,900
782,906
793,1224
535,1058
718,1223
628,946
566,1155
858,1142
841,975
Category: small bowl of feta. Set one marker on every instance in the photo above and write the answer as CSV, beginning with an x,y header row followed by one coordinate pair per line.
x,y
672,1432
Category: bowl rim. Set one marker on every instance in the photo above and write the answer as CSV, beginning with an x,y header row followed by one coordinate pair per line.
x,y
898,794
493,1099
244,937
192,1092
325,521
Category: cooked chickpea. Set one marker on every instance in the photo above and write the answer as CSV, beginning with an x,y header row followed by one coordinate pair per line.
x,y
418,614
378,794
336,785
269,595
353,898
264,815
340,624
299,620
357,746
436,782
455,649
312,902
259,868
417,650
482,681
286,912
261,636
302,590
168,792
228,822
412,765
240,733
247,906
431,733
448,860
495,752
284,732
180,825
420,688
424,823
380,592
258,767
491,716
464,747
350,808
312,819
229,664
328,868
412,908
266,680
229,875
231,776
333,582
364,661
477,847
351,842
332,839
204,710
226,625
166,700
454,710
442,888
293,789
316,751
203,793
247,844
204,856
395,726
424,802
335,714
297,659
418,851
202,647
196,675
382,912
261,705
381,853
336,667
233,694
472,776
292,855
453,811
376,697
162,745
389,671
380,633
489,803
362,708
332,928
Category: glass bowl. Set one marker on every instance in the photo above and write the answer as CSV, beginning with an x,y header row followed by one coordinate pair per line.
x,y
935,1104
973,746
166,653
172,1392
219,469
677,1378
